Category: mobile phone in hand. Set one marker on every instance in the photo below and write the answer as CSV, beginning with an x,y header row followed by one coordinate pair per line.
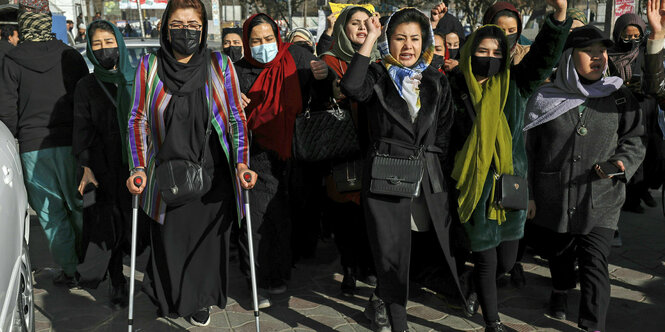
x,y
610,169
89,195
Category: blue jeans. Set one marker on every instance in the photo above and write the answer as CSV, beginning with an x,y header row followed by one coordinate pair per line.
x,y
50,179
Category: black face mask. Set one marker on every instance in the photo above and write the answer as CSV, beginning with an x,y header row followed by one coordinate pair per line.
x,y
107,57
627,46
485,66
185,41
453,53
512,40
306,46
234,52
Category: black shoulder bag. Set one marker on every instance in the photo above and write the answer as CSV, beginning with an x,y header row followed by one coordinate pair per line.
x,y
181,181
510,191
397,176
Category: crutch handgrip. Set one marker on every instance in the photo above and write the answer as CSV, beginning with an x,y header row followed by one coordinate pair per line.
x,y
247,176
138,181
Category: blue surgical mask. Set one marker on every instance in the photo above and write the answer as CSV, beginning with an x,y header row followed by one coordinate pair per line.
x,y
264,53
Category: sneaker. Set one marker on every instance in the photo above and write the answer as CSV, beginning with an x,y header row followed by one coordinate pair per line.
x,y
263,298
648,200
62,279
201,317
377,313
558,305
517,277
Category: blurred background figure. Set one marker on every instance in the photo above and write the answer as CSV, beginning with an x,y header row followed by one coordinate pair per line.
x,y
232,43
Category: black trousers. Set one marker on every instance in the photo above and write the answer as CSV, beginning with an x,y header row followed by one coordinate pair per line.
x,y
348,225
592,251
487,265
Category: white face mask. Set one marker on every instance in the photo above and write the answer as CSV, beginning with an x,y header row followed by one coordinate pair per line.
x,y
264,53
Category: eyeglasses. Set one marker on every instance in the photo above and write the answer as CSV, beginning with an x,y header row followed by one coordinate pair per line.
x,y
190,26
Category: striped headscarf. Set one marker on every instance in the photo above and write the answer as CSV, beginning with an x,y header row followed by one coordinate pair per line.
x,y
35,26
407,79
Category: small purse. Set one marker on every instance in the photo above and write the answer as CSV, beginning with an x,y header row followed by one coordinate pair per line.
x,y
181,181
511,192
396,176
348,176
325,135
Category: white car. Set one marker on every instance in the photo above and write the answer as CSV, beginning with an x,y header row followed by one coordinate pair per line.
x,y
16,300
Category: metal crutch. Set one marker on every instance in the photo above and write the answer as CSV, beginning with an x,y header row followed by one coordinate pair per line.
x,y
138,181
248,178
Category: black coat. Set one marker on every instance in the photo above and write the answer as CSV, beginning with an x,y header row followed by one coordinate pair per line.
x,y
388,217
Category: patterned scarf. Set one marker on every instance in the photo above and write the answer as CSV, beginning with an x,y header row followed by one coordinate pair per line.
x,y
407,79
35,26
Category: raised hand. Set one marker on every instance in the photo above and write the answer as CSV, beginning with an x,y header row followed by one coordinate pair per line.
x,y
656,16
560,7
437,14
373,26
319,69
330,23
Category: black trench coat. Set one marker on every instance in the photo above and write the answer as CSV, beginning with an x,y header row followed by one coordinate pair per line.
x,y
389,217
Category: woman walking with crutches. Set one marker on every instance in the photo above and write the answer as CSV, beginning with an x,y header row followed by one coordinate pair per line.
x,y
187,139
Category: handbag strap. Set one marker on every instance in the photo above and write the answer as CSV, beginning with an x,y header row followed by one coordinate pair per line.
x,y
210,100
106,92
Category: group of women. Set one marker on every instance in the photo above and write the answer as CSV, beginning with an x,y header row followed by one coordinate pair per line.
x,y
466,110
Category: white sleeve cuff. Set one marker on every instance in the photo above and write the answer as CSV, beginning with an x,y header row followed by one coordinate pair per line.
x,y
655,46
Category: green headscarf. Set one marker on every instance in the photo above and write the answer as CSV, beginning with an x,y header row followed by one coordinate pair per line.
x,y
122,77
490,139
343,48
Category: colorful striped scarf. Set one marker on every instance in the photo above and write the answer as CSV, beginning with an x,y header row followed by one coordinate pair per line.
x,y
407,79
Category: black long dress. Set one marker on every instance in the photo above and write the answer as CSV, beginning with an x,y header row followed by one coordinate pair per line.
x,y
96,144
188,264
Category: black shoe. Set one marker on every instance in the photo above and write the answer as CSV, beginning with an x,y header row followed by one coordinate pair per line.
x,y
517,276
616,240
349,282
648,200
558,305
370,280
472,304
62,279
119,295
201,317
495,327
377,313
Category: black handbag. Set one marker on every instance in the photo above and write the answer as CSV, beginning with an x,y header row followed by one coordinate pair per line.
x,y
325,135
397,176
181,181
348,176
511,192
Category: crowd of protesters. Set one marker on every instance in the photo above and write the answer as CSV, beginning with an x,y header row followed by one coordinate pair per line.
x,y
446,124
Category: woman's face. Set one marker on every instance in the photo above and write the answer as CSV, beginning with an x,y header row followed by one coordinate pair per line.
x,y
631,32
508,24
452,40
185,18
261,34
232,39
590,61
488,47
406,43
439,47
355,27
102,39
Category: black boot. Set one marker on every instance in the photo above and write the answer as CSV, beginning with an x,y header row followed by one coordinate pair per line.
x,y
119,294
349,282
472,304
495,327
517,277
558,305
377,313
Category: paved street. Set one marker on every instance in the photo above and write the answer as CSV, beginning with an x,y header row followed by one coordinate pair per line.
x,y
314,303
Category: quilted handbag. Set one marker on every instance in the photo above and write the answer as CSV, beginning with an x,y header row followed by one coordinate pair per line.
x,y
325,135
510,192
396,176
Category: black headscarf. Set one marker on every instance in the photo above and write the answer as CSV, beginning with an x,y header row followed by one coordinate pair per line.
x,y
448,24
186,115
